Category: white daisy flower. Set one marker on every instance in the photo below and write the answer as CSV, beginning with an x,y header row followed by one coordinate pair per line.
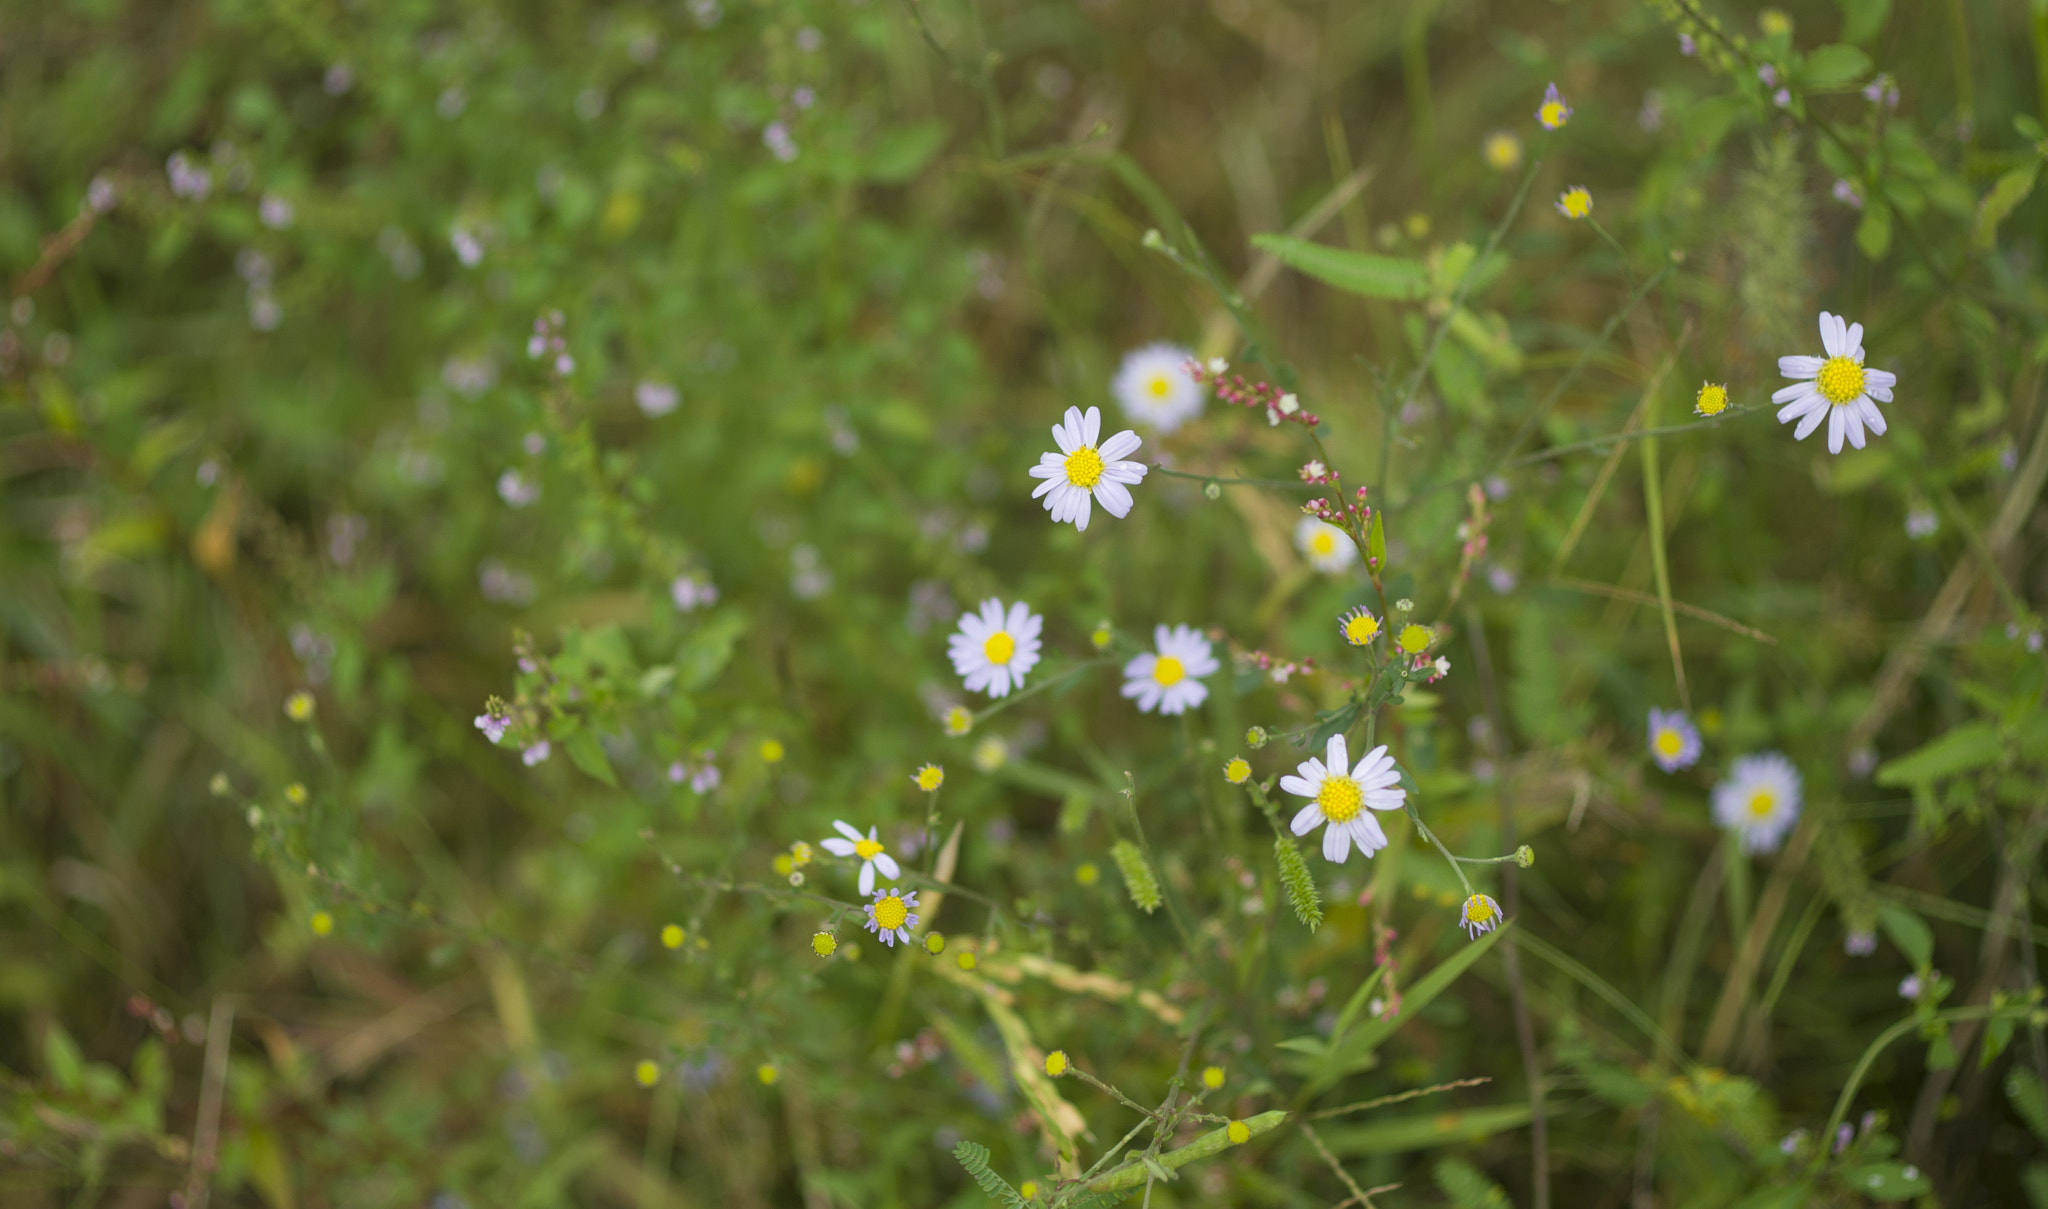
x,y
1328,548
1339,793
867,848
993,651
1170,679
1836,388
1674,740
1480,914
1081,470
1760,799
1155,388
890,916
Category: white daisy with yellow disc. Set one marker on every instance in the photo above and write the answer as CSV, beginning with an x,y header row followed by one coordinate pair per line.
x,y
1169,677
1155,388
1342,797
1327,548
1836,388
1760,800
995,648
1084,471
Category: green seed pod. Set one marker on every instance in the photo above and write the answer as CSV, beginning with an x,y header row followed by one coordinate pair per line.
x,y
1138,877
1301,885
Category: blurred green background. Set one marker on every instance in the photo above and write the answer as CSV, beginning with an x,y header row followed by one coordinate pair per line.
x,y
811,280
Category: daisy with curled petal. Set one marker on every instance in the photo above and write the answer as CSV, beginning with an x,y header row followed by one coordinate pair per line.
x,y
1760,800
1553,113
1339,794
994,650
867,848
1674,740
1329,549
1081,470
890,916
1480,914
1169,679
1155,387
1359,626
1836,387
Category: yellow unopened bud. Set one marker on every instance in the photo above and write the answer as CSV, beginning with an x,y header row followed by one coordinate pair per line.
x,y
647,1074
1087,874
824,944
959,720
672,937
1238,1132
767,1074
1028,1189
323,923
967,961
1238,771
299,707
929,778
295,793
784,864
1212,1077
1056,1063
1255,738
935,944
772,751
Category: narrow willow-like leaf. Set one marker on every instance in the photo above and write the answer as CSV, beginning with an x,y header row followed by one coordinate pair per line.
x,y
1138,877
1300,883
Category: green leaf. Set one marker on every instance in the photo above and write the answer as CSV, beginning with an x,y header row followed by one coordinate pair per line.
x,y
1874,233
1967,747
1863,19
1885,1181
1831,66
901,153
1314,1047
1132,1174
1355,272
1794,1197
1376,543
1426,1130
1357,1052
974,1157
2029,1099
588,755
60,1053
2000,202
1908,931
1468,1187
706,652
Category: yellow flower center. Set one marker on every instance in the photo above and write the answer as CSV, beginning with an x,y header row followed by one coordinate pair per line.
x,y
1415,639
1168,671
1552,114
1159,386
1577,203
1323,542
1084,467
999,647
1361,629
867,850
1669,743
890,913
1841,381
930,777
1238,771
1760,804
1340,798
1478,909
1713,400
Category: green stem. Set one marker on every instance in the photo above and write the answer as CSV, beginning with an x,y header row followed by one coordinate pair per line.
x,y
1885,1038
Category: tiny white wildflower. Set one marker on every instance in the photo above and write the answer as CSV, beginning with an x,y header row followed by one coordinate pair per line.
x,y
1339,795
1836,388
993,651
1081,471
1674,740
1328,548
1155,389
1760,799
1169,679
867,848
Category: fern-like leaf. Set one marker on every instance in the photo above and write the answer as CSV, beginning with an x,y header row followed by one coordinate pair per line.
x,y
1301,885
974,1157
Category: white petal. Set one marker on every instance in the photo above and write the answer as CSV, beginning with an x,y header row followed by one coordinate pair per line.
x,y
1852,343
1080,507
1114,498
1798,390
1835,429
837,846
887,864
1338,756
1125,472
1811,422
1799,367
1306,819
867,877
1067,435
1299,788
1872,417
1091,426
1051,484
1120,445
847,829
1881,393
1385,798
1852,422
1336,843
1366,833
1048,470
1831,334
1880,377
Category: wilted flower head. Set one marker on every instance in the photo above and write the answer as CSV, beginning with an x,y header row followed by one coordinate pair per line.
x,y
1553,112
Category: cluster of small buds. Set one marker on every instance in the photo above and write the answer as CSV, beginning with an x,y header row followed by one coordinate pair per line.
x,y
1882,90
189,179
1278,404
703,775
1281,670
921,1050
547,341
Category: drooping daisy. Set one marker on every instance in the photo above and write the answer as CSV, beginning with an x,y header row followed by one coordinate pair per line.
x,y
1339,794
1575,202
1081,470
1835,387
1553,113
1155,388
890,916
1359,626
1170,678
1328,548
1760,799
1481,914
1674,740
994,650
867,848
